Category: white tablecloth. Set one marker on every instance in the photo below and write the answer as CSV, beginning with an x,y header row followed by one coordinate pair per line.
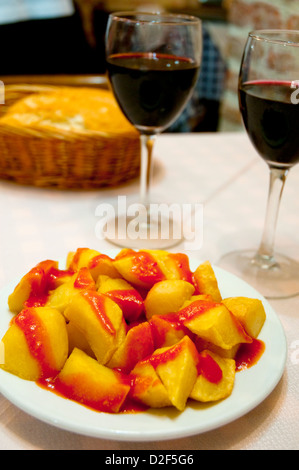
x,y
220,171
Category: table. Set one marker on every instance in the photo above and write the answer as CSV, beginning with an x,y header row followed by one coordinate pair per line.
x,y
221,171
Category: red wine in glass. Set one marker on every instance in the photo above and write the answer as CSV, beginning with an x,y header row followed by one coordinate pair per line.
x,y
268,90
151,88
152,61
271,120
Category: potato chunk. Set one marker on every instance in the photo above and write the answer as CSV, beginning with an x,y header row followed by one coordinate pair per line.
x,y
216,378
202,344
139,268
32,288
172,265
100,320
42,354
213,322
146,386
176,366
167,296
61,296
206,281
166,330
137,345
250,313
17,357
127,297
77,339
84,380
145,268
97,263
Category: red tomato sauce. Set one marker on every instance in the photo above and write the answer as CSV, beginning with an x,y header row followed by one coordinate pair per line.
x,y
209,368
249,353
129,300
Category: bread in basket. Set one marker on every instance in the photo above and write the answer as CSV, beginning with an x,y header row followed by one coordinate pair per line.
x,y
66,137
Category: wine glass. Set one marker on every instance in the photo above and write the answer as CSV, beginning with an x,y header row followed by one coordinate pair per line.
x,y
268,98
153,62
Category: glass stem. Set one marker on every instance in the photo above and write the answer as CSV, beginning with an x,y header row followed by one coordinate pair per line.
x,y
147,143
265,255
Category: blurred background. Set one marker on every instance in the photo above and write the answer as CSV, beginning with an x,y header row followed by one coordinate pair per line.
x,y
46,41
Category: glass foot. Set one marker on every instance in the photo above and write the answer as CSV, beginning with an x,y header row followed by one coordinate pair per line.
x,y
143,232
274,278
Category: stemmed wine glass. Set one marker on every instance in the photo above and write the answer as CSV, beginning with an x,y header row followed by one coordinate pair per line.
x,y
268,99
153,62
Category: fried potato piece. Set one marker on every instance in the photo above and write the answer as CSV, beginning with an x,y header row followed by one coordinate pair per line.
x,y
100,320
126,296
250,313
32,287
176,366
40,354
206,281
84,380
213,322
216,378
139,268
137,345
61,296
77,339
146,386
167,296
96,262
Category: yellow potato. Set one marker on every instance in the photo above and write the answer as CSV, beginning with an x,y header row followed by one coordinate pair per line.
x,y
85,380
139,268
96,262
206,281
124,294
210,385
61,296
167,296
165,331
137,345
147,267
80,258
215,323
176,367
77,339
42,354
100,320
202,344
193,298
32,285
166,263
147,388
250,313
172,265
18,359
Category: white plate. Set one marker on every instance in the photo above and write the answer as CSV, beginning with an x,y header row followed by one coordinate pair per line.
x,y
251,387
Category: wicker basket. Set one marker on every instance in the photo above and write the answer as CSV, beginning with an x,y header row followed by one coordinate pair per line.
x,y
64,159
